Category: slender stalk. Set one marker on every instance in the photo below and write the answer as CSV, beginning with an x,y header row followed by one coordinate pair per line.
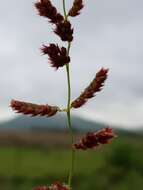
x,y
69,109
64,9
69,121
70,128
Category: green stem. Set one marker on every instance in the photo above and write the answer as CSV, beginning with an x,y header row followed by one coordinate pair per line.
x,y
70,128
69,110
64,9
69,121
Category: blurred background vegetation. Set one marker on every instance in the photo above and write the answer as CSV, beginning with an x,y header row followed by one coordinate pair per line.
x,y
39,157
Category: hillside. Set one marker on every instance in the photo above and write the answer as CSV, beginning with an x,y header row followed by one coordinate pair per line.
x,y
56,123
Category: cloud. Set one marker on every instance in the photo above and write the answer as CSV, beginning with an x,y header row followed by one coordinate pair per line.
x,y
108,33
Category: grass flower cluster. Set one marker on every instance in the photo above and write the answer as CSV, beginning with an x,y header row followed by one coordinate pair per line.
x,y
60,57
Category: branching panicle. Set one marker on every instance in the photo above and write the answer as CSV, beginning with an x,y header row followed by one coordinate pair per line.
x,y
46,9
33,109
76,8
94,87
58,56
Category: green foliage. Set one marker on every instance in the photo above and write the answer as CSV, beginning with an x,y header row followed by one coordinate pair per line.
x,y
118,166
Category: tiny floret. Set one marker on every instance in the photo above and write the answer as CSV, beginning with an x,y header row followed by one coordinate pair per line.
x,y
65,31
76,8
46,9
58,56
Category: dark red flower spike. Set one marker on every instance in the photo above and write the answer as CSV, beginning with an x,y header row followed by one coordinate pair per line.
x,y
33,109
46,9
76,8
94,87
64,30
58,56
94,139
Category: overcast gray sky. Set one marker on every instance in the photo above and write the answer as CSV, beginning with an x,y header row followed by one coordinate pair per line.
x,y
108,33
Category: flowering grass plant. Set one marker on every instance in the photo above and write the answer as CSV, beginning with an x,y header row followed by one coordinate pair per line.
x,y
60,57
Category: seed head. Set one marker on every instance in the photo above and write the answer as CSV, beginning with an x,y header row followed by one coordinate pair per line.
x,y
46,9
94,87
64,31
33,109
58,56
94,139
76,8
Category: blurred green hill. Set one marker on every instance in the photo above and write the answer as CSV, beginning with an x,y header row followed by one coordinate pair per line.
x,y
56,123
